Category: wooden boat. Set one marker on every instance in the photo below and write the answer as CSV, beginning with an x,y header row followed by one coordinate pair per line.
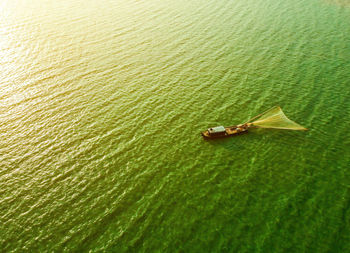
x,y
221,131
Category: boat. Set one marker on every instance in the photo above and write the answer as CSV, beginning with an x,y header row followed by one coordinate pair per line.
x,y
272,118
221,131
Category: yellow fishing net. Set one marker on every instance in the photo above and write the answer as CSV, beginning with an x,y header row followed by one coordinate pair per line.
x,y
275,118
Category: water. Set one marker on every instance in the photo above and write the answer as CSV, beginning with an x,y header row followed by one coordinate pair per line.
x,y
102,102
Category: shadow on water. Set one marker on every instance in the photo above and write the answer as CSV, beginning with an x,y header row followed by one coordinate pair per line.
x,y
341,3
260,139
230,143
235,143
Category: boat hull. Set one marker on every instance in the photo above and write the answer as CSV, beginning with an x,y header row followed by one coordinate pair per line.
x,y
230,131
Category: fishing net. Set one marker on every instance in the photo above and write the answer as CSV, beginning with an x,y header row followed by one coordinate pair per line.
x,y
275,118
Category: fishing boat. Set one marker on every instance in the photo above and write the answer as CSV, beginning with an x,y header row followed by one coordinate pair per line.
x,y
272,118
221,131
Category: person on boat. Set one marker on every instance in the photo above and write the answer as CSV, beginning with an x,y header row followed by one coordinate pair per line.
x,y
245,126
240,128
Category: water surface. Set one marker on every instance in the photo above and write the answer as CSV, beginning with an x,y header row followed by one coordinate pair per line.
x,y
102,102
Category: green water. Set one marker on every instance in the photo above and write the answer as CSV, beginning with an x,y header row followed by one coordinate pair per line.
x,y
102,103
